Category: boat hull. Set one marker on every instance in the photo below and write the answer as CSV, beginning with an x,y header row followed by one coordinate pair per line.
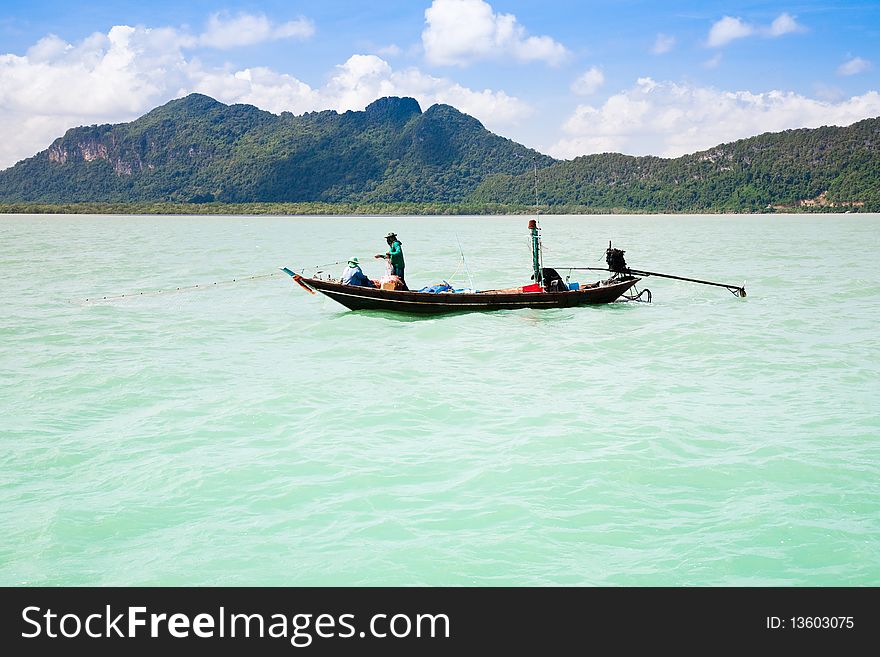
x,y
362,298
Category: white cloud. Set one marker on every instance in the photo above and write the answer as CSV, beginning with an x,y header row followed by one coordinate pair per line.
x,y
589,82
48,49
118,76
663,44
461,31
670,119
260,86
784,24
226,31
729,29
355,84
105,75
854,66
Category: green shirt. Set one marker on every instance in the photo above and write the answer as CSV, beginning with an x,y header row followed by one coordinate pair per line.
x,y
396,253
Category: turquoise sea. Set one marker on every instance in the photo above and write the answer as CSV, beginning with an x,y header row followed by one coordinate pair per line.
x,y
250,433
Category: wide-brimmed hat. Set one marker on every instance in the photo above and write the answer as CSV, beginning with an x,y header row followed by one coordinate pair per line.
x,y
352,261
390,235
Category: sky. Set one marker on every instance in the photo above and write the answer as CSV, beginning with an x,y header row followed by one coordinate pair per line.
x,y
565,77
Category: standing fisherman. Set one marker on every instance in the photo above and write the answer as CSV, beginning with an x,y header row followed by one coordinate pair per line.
x,y
395,256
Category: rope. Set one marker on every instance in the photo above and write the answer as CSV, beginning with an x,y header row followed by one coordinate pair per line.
x,y
452,278
329,264
461,251
637,295
185,288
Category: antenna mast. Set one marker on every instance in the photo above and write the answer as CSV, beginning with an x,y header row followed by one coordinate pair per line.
x,y
535,230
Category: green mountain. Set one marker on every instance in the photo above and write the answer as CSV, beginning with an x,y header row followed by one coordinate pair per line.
x,y
197,150
823,168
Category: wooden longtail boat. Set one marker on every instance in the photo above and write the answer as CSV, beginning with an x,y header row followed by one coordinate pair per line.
x,y
550,292
365,298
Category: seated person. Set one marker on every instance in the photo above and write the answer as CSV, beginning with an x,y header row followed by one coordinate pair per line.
x,y
353,275
553,281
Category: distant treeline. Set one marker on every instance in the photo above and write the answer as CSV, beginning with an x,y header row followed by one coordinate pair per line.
x,y
345,209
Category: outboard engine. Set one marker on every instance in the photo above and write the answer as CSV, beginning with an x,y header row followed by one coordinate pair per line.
x,y
616,261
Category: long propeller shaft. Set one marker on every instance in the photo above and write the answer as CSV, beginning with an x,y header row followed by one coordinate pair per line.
x,y
736,290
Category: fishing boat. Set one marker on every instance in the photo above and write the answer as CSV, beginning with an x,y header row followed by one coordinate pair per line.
x,y
364,298
549,291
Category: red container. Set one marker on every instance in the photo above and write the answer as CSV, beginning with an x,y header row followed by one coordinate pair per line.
x,y
534,287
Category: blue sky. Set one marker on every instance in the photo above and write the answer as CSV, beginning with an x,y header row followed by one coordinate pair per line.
x,y
565,77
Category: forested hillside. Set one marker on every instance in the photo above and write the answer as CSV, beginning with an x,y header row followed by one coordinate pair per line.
x,y
827,167
198,150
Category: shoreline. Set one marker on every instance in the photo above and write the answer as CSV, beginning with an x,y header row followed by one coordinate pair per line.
x,y
374,209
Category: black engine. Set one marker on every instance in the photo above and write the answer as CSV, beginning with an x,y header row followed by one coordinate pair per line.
x,y
616,261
